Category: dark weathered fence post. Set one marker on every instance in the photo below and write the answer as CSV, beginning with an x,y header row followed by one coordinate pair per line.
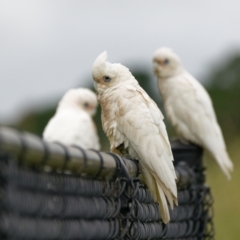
x,y
192,155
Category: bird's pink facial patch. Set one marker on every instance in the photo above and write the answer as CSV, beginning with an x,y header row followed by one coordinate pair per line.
x,y
101,81
90,107
160,62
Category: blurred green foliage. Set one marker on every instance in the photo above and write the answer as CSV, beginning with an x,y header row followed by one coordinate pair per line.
x,y
223,85
36,121
224,88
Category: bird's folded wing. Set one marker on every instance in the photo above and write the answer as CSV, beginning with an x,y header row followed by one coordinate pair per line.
x,y
193,112
141,127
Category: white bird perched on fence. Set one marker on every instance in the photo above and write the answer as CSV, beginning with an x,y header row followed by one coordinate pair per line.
x,y
189,107
134,125
72,123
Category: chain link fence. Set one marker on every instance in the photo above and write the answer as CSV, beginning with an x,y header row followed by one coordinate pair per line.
x,y
50,191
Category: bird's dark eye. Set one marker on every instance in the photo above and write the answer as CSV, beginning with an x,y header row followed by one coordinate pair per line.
x,y
86,104
106,79
166,61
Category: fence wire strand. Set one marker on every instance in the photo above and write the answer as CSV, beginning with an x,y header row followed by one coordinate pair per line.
x,y
40,205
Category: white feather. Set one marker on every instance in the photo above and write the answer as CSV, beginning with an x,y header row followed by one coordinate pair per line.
x,y
71,124
189,108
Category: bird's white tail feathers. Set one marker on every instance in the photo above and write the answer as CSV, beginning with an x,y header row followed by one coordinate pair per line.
x,y
160,193
224,162
169,195
164,211
165,194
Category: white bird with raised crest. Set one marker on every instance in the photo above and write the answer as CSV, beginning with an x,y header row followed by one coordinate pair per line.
x,y
72,123
189,107
134,125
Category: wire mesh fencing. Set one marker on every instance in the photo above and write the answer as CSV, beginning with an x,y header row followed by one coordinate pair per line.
x,y
50,191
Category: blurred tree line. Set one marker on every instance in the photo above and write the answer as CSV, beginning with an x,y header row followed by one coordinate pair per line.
x,y
223,85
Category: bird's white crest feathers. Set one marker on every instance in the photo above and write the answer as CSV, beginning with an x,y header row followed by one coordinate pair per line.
x,y
100,61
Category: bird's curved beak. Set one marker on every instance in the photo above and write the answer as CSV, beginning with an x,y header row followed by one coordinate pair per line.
x,y
95,85
92,111
155,65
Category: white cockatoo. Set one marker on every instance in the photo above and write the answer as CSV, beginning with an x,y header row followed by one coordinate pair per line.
x,y
72,123
134,125
189,107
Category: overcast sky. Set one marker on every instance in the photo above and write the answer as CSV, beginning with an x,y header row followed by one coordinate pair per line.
x,y
47,47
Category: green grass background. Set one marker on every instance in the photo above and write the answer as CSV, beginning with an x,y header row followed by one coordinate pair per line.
x,y
226,195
